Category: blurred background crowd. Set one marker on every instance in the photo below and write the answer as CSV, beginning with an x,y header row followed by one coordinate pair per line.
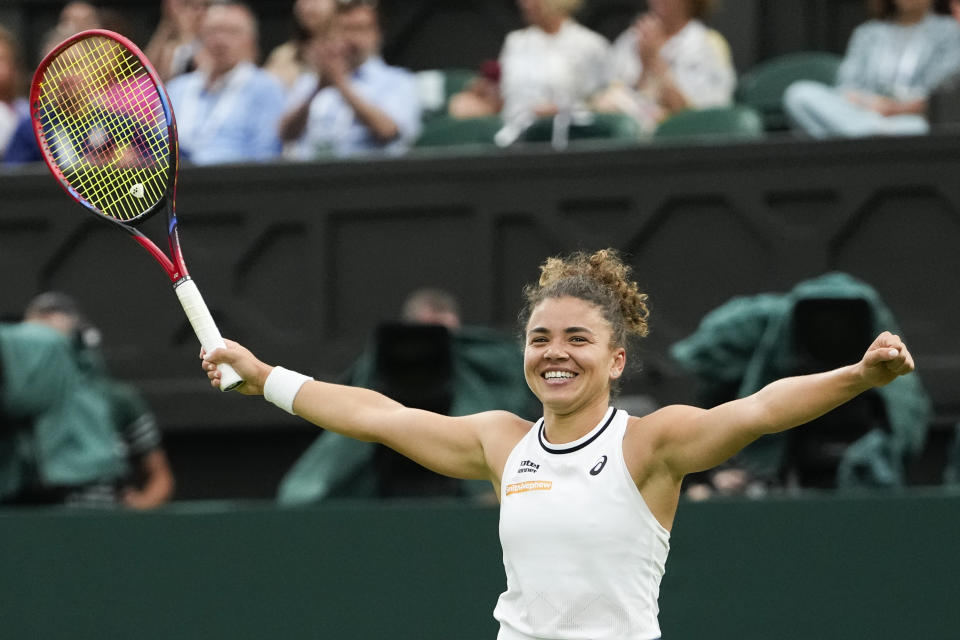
x,y
329,90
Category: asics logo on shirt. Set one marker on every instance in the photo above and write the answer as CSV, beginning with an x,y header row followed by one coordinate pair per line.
x,y
598,467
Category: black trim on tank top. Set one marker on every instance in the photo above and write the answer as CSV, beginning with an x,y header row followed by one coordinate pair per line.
x,y
543,443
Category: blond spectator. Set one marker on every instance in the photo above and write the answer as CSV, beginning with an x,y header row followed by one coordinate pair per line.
x,y
553,65
667,61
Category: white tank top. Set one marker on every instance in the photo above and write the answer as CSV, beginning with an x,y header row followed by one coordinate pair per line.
x,y
582,552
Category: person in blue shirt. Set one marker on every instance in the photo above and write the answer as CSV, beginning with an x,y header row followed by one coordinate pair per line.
x,y
228,109
13,104
359,103
891,66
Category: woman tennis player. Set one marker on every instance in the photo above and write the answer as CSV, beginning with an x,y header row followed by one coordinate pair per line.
x,y
588,493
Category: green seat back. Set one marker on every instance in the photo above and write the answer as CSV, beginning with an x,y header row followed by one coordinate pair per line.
x,y
763,86
446,131
436,100
604,126
737,121
456,80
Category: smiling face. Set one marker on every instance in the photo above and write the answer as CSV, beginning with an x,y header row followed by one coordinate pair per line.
x,y
569,360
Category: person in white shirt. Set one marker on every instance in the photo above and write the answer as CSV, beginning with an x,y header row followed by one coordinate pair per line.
x,y
588,494
668,61
554,65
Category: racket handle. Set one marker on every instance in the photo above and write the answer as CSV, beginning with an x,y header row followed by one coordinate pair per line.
x,y
205,328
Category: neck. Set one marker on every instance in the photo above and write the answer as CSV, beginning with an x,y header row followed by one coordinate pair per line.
x,y
672,28
217,74
561,427
911,17
551,24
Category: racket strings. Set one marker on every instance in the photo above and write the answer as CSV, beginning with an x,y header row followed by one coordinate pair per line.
x,y
104,125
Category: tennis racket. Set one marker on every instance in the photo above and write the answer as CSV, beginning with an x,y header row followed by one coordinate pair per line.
x,y
108,134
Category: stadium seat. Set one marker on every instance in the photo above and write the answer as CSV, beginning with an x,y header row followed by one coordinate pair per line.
x,y
762,87
438,85
443,130
738,121
603,126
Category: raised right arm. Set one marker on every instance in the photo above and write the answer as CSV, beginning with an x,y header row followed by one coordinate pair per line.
x,y
454,446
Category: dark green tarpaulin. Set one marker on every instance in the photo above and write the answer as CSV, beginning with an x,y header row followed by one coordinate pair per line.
x,y
746,343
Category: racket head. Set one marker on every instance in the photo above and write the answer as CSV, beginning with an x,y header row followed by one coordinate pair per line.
x,y
105,126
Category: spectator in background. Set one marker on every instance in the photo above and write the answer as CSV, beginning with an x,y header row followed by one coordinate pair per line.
x,y
359,104
892,64
175,44
553,66
432,306
79,16
37,376
22,147
13,104
148,480
668,61
70,434
287,61
481,97
228,109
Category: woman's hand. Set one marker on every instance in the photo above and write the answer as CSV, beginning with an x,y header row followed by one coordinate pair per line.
x,y
651,36
885,360
886,106
253,372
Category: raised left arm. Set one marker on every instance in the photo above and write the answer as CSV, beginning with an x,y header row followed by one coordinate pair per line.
x,y
689,439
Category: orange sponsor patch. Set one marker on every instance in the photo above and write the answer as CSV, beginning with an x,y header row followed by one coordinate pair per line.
x,y
530,485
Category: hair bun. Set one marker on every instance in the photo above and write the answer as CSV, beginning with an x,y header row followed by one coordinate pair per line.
x,y
604,280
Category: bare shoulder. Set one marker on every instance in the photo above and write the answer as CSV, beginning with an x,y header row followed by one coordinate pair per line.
x,y
499,431
499,428
644,445
652,430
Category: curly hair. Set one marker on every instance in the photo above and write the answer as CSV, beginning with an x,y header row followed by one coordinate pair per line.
x,y
600,278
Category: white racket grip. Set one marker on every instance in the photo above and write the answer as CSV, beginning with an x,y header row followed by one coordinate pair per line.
x,y
205,328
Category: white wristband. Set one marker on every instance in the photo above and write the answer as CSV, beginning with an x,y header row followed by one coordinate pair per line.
x,y
282,386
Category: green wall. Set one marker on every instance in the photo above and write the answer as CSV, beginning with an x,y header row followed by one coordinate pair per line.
x,y
806,568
